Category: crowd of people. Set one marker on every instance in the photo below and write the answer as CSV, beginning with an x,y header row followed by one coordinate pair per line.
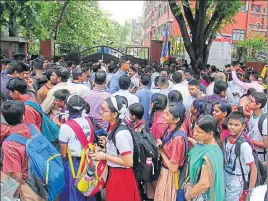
x,y
217,111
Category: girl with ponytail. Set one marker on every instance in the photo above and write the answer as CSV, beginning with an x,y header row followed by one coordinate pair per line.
x,y
221,112
173,151
157,123
206,163
121,183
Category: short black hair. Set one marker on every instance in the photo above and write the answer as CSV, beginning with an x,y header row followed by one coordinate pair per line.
x,y
148,70
62,94
194,82
189,71
61,72
219,86
96,67
48,73
156,80
18,66
260,98
100,77
163,80
124,82
111,68
136,110
17,84
76,73
164,69
177,77
237,116
133,68
145,79
255,75
213,68
13,111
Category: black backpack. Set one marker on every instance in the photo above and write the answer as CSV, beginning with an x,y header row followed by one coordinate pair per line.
x,y
261,170
260,122
144,147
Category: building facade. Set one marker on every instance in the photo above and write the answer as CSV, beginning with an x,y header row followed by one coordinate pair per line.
x,y
250,20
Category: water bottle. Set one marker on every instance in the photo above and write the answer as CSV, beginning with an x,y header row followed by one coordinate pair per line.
x,y
90,173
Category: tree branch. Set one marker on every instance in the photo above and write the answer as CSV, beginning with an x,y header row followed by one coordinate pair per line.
x,y
180,19
188,15
60,19
213,20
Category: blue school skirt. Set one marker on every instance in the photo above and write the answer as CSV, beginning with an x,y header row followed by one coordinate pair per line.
x,y
70,192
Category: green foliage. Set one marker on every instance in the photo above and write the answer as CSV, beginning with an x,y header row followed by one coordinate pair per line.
x,y
199,25
83,25
252,46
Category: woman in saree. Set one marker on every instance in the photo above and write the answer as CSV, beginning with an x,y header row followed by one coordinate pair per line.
x,y
205,163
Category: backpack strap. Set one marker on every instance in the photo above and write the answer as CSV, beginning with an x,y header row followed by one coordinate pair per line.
x,y
184,168
237,149
33,130
120,128
17,138
80,133
260,122
34,106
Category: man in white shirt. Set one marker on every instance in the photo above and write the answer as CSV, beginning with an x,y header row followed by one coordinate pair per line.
x,y
194,90
218,76
124,85
180,86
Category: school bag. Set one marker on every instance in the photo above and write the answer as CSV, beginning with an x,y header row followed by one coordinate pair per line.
x,y
48,128
261,170
45,166
260,122
91,175
146,157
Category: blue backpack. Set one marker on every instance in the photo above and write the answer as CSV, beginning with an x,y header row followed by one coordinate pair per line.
x,y
45,166
48,128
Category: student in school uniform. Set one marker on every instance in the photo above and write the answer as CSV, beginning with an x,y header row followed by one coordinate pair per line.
x,y
121,183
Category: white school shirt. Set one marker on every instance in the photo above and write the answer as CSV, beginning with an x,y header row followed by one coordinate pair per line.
x,y
246,158
255,134
68,136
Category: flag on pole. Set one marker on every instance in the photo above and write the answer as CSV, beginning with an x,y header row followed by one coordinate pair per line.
x,y
164,52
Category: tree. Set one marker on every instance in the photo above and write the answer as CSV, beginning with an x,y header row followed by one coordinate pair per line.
x,y
251,47
75,23
199,27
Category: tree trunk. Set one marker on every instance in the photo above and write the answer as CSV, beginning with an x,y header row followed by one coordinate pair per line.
x,y
13,26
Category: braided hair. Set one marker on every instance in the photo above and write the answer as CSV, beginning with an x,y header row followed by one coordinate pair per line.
x,y
177,110
159,102
201,109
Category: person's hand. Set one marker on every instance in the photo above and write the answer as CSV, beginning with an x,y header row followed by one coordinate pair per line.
x,y
56,120
99,156
233,68
159,143
133,90
192,141
235,94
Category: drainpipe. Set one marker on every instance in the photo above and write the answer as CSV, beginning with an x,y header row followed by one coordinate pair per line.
x,y
248,18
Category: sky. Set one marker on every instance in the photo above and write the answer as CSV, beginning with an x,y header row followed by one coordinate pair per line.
x,y
123,10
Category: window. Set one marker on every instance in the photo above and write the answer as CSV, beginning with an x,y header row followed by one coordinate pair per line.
x,y
258,26
256,8
238,35
264,10
244,6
